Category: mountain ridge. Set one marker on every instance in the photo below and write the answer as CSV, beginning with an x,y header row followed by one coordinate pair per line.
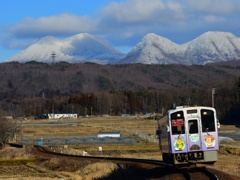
x,y
212,46
208,47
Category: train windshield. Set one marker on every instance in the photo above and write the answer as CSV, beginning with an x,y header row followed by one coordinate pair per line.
x,y
208,123
193,126
177,123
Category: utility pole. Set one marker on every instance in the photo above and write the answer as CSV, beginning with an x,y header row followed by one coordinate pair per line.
x,y
146,130
21,131
154,121
213,93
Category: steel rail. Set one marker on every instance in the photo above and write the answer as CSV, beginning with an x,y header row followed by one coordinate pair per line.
x,y
211,175
186,174
202,170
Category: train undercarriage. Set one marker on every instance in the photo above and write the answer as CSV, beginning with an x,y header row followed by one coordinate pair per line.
x,y
208,157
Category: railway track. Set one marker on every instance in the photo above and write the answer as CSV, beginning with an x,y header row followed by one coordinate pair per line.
x,y
199,173
183,173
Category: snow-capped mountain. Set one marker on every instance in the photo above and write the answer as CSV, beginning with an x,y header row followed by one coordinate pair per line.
x,y
213,47
79,48
152,49
209,47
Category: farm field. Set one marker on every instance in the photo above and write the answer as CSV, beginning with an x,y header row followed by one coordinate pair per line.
x,y
19,163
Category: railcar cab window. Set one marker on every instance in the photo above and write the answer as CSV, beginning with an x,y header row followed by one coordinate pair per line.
x,y
177,123
208,123
193,124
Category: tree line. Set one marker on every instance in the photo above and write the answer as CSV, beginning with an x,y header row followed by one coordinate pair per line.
x,y
33,88
226,101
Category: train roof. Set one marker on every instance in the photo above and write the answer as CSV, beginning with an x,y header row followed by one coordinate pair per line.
x,y
189,107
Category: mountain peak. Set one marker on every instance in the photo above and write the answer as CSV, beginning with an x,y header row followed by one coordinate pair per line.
x,y
81,36
153,49
82,47
150,36
214,36
217,33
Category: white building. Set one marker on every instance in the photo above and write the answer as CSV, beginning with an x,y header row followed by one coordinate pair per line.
x,y
109,134
62,116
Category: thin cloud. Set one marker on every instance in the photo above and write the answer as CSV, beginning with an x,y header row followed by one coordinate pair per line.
x,y
125,23
141,11
11,42
213,19
215,6
133,10
61,25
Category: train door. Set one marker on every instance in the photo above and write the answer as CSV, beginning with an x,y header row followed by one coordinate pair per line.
x,y
194,137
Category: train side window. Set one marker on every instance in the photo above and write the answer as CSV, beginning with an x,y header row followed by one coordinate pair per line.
x,y
193,126
208,120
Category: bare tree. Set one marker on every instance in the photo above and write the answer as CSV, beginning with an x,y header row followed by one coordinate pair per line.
x,y
8,127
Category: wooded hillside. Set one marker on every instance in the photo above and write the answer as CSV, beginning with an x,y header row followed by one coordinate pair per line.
x,y
34,88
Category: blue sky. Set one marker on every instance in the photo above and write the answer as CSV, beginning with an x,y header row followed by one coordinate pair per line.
x,y
121,23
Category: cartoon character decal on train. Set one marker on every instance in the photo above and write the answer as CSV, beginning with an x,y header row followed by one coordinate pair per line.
x,y
179,144
209,141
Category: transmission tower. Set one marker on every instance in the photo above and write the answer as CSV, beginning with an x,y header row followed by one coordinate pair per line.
x,y
53,57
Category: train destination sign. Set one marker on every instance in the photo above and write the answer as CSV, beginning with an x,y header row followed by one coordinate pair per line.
x,y
177,122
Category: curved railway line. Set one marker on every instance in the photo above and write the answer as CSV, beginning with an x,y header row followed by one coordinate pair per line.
x,y
181,172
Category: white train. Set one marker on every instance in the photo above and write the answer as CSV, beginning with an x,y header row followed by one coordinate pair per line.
x,y
189,135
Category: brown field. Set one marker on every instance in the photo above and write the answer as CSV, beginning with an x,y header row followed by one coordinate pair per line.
x,y
18,163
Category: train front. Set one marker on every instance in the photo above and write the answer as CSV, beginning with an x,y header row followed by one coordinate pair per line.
x,y
192,136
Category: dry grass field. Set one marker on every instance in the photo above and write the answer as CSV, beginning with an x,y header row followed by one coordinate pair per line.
x,y
16,163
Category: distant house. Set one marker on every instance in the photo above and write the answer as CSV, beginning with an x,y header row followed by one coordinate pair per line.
x,y
109,134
